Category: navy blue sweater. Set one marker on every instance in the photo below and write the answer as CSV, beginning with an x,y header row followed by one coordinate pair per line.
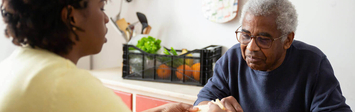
x,y
304,82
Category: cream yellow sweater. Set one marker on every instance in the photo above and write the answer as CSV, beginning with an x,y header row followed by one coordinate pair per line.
x,y
34,80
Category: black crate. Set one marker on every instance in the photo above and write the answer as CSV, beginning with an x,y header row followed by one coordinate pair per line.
x,y
139,65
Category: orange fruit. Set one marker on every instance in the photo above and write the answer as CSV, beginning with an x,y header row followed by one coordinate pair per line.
x,y
180,72
163,71
196,71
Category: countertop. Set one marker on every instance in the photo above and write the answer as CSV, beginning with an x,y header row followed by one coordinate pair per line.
x,y
112,78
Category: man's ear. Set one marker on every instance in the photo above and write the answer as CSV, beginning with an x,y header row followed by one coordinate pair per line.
x,y
67,15
289,40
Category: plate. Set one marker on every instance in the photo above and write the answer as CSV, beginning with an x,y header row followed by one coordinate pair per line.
x,y
220,11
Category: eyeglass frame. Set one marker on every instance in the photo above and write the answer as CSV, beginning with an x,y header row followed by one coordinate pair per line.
x,y
251,37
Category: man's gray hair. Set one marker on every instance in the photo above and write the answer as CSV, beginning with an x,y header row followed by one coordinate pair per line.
x,y
286,13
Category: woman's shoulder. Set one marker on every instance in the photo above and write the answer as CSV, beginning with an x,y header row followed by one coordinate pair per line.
x,y
48,68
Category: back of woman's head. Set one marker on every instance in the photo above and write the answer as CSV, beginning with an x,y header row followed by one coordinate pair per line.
x,y
39,23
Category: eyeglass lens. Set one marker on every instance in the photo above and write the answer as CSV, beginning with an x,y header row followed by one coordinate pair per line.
x,y
263,42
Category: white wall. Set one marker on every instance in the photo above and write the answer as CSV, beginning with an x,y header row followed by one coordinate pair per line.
x,y
327,24
6,46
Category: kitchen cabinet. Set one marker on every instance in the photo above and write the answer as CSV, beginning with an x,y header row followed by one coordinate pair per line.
x,y
145,102
126,98
143,95
141,102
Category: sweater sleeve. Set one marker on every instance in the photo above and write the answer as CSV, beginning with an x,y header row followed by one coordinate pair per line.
x,y
79,91
216,87
327,92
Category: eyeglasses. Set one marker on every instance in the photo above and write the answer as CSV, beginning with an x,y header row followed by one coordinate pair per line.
x,y
262,41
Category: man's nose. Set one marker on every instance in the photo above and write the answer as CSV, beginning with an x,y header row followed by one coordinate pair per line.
x,y
252,46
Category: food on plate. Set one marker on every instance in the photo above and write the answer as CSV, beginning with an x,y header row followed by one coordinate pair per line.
x,y
205,108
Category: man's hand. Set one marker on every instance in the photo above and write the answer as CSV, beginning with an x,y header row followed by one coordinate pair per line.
x,y
231,104
174,107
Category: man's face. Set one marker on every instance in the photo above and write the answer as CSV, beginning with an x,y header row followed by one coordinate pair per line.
x,y
259,58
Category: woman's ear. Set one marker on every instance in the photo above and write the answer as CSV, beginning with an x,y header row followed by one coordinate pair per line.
x,y
68,15
289,40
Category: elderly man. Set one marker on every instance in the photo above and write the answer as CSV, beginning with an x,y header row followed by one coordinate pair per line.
x,y
269,71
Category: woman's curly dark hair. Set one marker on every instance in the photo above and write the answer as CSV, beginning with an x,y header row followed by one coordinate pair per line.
x,y
38,23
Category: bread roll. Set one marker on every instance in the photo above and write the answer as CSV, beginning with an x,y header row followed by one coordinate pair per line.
x,y
205,108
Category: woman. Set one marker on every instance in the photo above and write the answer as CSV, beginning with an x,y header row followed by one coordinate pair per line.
x,y
52,36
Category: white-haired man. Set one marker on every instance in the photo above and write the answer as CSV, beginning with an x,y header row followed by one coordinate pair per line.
x,y
269,71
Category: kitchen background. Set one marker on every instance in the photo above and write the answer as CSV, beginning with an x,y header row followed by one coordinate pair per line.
x,y
327,24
